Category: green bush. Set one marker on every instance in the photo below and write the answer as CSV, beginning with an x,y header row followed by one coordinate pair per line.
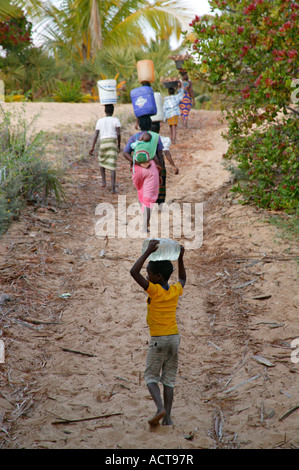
x,y
70,92
246,53
269,178
26,174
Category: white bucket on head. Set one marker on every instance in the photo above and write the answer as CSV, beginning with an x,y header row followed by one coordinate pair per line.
x,y
159,103
107,91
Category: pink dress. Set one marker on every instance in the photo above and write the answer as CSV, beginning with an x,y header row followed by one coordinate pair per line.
x,y
146,181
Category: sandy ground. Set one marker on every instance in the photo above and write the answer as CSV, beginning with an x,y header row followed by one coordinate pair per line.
x,y
73,371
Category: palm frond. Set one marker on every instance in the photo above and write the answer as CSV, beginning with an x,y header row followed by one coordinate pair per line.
x,y
8,10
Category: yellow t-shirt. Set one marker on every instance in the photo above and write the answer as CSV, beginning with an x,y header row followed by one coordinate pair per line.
x,y
161,309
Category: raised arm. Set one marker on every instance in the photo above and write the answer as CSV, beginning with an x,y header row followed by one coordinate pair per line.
x,y
136,268
182,271
179,95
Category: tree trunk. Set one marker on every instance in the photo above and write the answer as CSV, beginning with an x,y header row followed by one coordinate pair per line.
x,y
95,27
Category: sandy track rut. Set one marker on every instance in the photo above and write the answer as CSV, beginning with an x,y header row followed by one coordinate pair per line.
x,y
223,397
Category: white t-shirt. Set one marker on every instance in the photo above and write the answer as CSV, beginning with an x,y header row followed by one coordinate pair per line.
x,y
166,142
107,127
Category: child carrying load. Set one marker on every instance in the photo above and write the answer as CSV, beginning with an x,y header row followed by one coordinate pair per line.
x,y
162,356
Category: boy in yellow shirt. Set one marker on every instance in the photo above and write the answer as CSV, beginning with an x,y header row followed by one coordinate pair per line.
x,y
162,356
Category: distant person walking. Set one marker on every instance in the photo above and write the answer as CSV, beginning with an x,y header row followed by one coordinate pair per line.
x,y
188,99
166,151
171,111
146,180
110,139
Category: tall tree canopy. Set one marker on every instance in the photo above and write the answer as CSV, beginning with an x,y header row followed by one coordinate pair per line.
x,y
249,55
87,39
8,10
85,26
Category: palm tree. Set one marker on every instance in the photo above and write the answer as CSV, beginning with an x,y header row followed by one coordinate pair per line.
x,y
82,27
98,37
121,63
7,10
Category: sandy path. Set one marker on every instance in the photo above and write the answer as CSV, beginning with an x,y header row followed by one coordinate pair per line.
x,y
223,397
54,116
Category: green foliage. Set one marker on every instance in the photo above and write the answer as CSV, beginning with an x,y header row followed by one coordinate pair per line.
x,y
33,70
268,158
28,71
70,92
25,175
87,39
15,33
288,226
113,61
159,52
9,10
248,55
203,98
79,28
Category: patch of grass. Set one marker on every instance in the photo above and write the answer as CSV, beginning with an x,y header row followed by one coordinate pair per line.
x,y
70,92
287,225
26,174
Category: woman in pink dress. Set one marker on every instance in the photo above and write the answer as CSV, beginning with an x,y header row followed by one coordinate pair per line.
x,y
146,180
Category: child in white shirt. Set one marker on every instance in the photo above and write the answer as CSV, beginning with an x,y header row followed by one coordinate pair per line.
x,y
110,138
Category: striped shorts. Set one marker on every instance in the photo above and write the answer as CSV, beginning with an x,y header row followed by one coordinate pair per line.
x,y
108,153
162,360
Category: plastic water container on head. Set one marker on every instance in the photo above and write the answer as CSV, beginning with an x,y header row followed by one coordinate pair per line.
x,y
143,100
167,249
145,71
159,103
107,91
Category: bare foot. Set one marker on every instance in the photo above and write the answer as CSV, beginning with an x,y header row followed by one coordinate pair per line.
x,y
155,419
167,421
